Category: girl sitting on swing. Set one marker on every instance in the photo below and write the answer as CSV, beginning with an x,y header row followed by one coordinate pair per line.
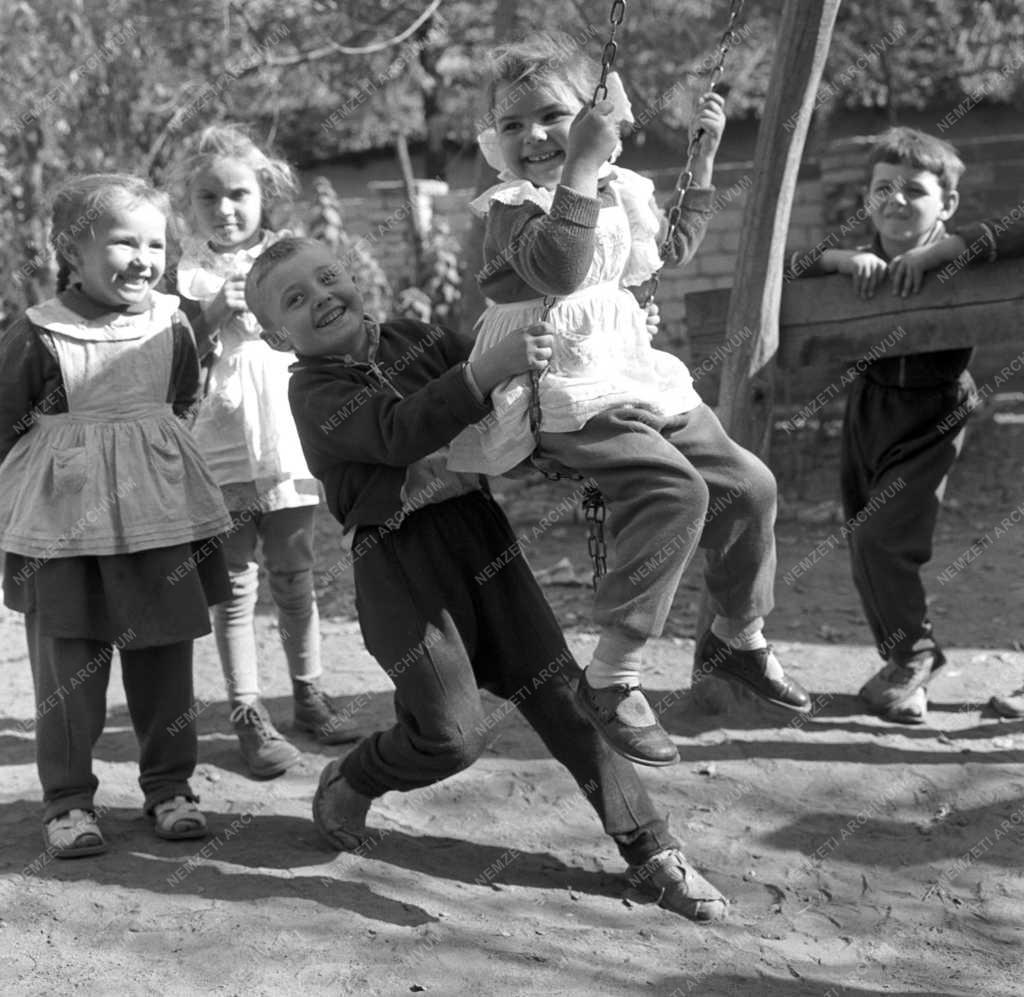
x,y
566,234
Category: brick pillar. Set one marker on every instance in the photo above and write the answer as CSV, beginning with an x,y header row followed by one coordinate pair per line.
x,y
388,224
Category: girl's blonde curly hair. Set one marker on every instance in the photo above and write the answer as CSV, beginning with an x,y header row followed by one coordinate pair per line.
x,y
277,180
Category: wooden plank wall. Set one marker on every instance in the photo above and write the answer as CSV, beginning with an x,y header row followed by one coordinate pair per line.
x,y
826,329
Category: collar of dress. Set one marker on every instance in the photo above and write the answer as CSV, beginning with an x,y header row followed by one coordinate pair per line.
x,y
75,315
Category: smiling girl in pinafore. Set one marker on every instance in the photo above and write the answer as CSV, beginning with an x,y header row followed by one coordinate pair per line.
x,y
108,514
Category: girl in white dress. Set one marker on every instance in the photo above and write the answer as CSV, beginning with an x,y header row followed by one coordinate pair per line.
x,y
566,234
227,190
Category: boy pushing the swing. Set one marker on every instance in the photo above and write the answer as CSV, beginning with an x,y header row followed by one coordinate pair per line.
x,y
375,406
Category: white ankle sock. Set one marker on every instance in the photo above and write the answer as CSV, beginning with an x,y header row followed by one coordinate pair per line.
x,y
742,635
601,674
616,660
747,636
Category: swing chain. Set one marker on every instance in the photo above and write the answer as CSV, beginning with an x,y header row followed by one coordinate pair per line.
x,y
685,179
593,501
535,412
594,512
610,50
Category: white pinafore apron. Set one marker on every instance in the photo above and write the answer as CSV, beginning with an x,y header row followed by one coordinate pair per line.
x,y
118,473
603,356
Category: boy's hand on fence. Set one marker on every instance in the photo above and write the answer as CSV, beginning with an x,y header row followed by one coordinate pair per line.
x,y
528,348
653,319
867,270
907,270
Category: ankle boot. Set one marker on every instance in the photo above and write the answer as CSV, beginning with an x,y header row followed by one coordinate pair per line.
x,y
265,751
317,715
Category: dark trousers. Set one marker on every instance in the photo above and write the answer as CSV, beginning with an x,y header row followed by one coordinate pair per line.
x,y
448,605
898,446
672,485
71,678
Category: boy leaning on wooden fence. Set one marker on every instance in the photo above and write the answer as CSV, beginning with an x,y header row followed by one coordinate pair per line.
x,y
903,426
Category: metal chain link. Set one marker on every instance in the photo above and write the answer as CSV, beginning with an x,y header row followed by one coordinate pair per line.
x,y
593,501
685,179
610,50
594,512
536,416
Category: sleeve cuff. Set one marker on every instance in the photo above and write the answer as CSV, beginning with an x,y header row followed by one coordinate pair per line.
x,y
460,396
467,373
569,205
979,240
700,198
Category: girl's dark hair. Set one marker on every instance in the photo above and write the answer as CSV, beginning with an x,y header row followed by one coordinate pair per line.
x,y
80,202
910,147
278,183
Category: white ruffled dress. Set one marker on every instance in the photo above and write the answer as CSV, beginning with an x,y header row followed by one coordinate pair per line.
x,y
603,356
245,427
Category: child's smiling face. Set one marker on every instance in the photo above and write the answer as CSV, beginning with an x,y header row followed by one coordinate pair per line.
x,y
123,257
533,125
309,304
905,203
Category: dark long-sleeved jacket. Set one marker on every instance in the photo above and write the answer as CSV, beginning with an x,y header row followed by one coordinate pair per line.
x,y
364,423
994,238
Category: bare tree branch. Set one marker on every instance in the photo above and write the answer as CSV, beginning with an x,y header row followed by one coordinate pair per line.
x,y
334,48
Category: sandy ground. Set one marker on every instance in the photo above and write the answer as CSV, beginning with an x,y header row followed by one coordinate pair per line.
x,y
860,858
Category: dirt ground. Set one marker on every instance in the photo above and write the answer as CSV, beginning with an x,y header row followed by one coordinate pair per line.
x,y
860,858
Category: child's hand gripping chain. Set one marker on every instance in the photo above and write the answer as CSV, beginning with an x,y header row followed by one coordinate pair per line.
x,y
593,138
529,348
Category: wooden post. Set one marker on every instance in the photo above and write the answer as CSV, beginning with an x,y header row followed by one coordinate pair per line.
x,y
752,326
745,405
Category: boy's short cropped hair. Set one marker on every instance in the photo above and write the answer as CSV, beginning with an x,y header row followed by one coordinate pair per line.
x,y
275,253
909,147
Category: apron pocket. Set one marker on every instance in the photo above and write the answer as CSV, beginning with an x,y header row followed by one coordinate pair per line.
x,y
70,469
